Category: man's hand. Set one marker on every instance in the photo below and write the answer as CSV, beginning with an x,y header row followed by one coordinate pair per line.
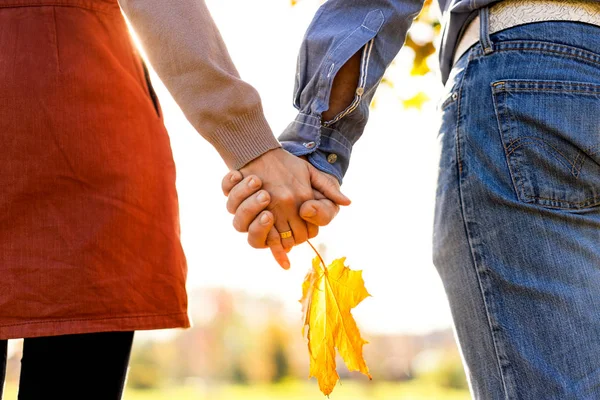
x,y
252,203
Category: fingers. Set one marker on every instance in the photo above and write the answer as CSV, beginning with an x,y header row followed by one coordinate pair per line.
x,y
259,229
328,185
240,192
262,234
299,229
232,178
313,230
319,212
249,210
274,242
283,226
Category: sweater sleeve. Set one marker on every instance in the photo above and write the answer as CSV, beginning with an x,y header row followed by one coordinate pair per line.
x,y
186,50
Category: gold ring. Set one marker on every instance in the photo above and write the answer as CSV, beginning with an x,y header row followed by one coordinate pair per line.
x,y
286,234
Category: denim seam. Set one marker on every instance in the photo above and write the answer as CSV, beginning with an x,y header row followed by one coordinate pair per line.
x,y
550,48
512,123
468,233
586,203
553,90
529,84
518,143
578,168
364,71
304,123
593,150
501,109
324,83
448,100
304,116
337,141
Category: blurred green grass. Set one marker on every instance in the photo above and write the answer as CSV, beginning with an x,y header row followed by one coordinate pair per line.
x,y
292,390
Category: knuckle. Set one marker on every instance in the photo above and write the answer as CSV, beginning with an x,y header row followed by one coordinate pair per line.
x,y
306,193
286,197
263,196
252,182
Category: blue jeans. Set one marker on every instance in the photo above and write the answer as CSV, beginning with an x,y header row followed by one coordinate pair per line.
x,y
517,219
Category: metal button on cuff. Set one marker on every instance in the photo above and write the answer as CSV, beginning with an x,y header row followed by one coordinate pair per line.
x,y
332,158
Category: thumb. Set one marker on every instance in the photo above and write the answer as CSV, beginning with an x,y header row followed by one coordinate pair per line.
x,y
328,185
318,212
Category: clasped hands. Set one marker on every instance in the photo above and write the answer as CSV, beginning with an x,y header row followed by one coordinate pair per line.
x,y
278,193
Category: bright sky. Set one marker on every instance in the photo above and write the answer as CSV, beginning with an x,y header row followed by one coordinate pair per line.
x,y
386,232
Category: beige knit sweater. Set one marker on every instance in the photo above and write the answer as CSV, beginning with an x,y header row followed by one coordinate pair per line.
x,y
187,52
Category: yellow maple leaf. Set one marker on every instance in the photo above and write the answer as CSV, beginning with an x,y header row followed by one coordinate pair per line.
x,y
328,295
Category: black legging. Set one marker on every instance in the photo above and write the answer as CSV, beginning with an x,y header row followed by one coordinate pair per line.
x,y
82,366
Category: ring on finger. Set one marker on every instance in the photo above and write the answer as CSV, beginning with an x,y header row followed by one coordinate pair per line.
x,y
286,234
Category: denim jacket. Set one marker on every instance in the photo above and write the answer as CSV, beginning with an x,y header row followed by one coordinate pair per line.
x,y
339,29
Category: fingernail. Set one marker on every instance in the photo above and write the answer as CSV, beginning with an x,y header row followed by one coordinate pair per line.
x,y
252,183
233,177
264,219
262,197
285,265
311,212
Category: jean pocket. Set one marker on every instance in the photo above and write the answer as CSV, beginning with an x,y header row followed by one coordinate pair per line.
x,y
550,131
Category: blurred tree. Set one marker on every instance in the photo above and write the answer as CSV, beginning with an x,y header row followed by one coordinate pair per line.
x,y
238,373
280,362
144,367
421,40
441,368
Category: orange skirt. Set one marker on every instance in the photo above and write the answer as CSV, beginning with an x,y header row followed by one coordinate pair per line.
x,y
89,223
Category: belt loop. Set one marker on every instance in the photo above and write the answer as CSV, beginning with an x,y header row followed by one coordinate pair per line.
x,y
484,30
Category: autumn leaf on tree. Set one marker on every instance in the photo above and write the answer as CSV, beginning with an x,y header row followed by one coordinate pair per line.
x,y
328,295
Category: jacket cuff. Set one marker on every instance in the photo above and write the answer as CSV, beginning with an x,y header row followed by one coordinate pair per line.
x,y
244,138
326,148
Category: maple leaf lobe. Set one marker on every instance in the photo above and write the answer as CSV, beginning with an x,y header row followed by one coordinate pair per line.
x,y
328,296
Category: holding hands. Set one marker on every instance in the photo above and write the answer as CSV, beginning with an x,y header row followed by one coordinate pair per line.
x,y
281,200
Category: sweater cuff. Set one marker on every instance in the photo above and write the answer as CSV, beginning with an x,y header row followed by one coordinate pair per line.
x,y
244,138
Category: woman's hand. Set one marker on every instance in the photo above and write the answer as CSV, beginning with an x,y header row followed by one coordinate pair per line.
x,y
294,196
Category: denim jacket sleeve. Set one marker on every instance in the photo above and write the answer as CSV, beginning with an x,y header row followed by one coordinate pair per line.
x,y
339,30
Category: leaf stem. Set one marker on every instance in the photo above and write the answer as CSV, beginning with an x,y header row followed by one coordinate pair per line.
x,y
320,258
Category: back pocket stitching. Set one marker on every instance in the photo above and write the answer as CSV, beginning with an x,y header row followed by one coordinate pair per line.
x,y
515,175
560,157
504,114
